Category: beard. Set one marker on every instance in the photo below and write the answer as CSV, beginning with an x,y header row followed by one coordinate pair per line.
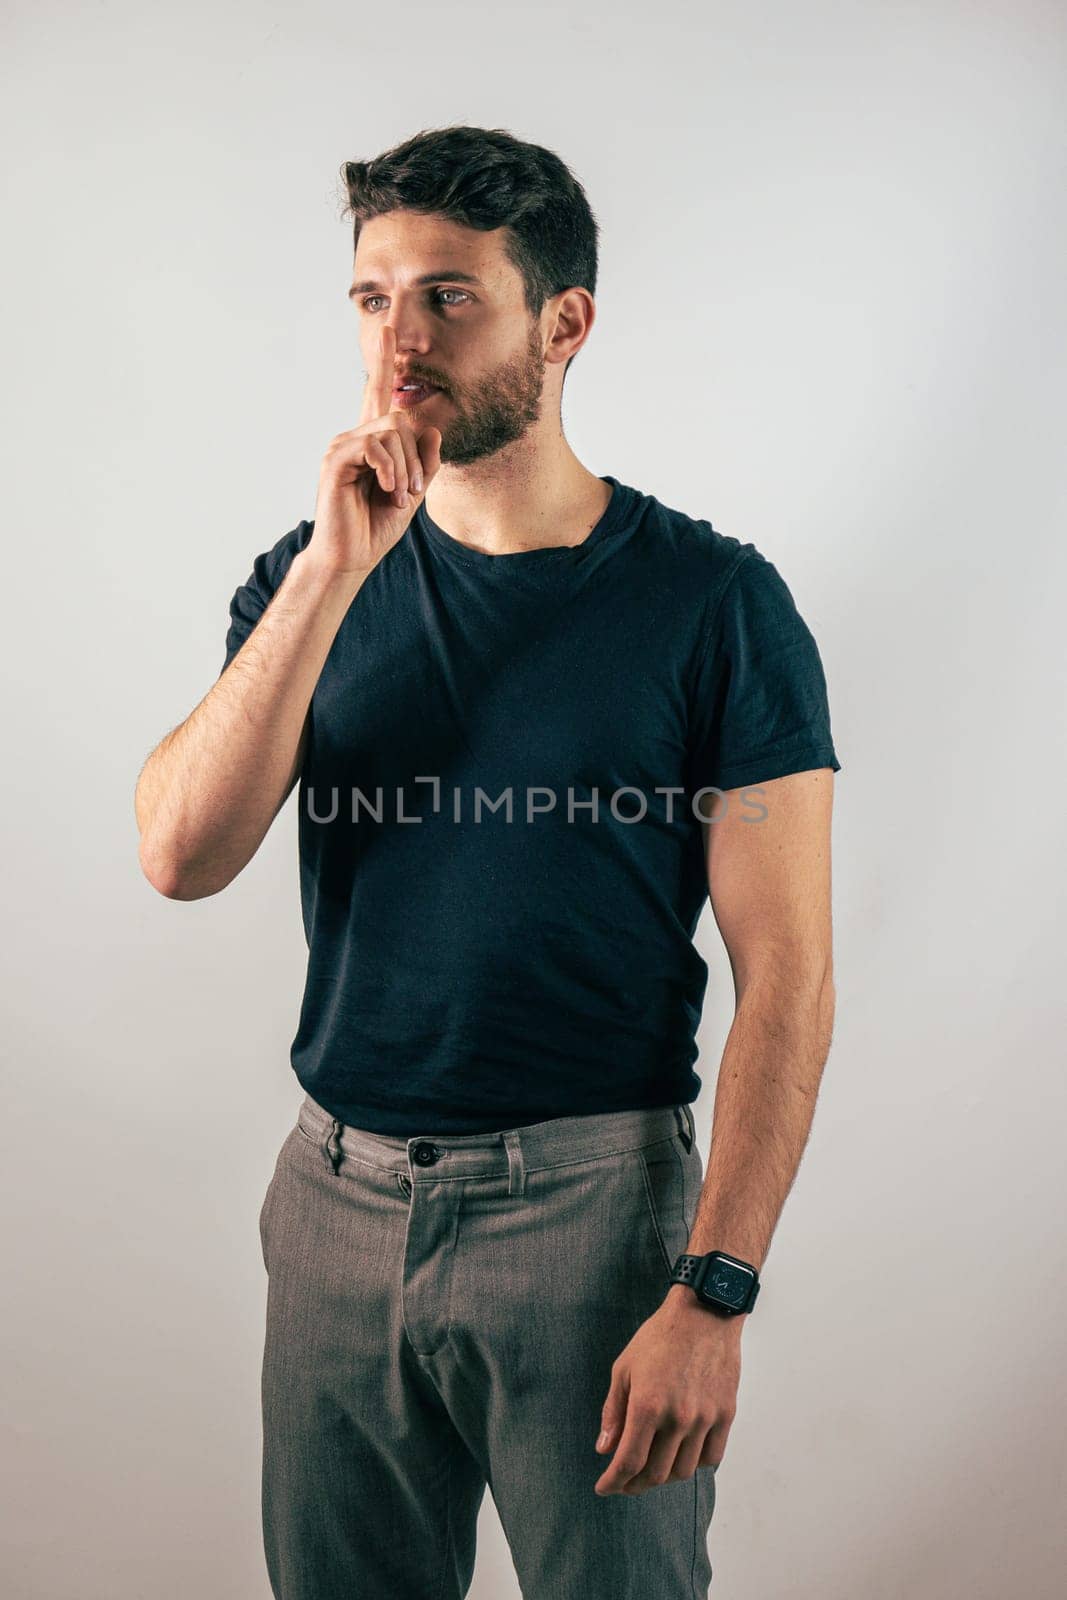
x,y
497,410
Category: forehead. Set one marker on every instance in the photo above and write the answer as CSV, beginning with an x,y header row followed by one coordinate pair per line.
x,y
407,247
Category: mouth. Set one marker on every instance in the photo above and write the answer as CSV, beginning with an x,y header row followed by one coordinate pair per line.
x,y
414,394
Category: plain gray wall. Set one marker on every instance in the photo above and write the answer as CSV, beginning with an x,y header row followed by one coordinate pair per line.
x,y
830,320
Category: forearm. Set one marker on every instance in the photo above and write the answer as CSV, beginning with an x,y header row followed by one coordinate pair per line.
x,y
764,1104
211,789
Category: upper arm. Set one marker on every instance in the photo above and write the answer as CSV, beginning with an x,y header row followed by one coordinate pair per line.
x,y
252,597
761,738
248,604
769,882
759,703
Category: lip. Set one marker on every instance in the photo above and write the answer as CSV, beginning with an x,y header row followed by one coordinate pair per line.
x,y
414,397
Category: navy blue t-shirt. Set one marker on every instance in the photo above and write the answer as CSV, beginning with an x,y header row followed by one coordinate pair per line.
x,y
475,966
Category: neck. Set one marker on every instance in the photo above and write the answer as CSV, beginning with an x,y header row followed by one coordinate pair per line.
x,y
518,499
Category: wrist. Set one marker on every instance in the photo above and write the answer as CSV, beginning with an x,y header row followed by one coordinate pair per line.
x,y
313,570
682,1299
716,1283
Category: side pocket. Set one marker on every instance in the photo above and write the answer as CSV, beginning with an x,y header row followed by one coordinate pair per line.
x,y
693,1179
263,1220
268,1198
667,1198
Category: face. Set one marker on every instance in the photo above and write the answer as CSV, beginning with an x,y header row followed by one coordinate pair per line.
x,y
475,340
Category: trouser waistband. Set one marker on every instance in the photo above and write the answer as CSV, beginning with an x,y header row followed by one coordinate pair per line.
x,y
516,1151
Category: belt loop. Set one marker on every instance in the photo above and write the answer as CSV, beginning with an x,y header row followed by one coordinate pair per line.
x,y
516,1167
686,1126
332,1146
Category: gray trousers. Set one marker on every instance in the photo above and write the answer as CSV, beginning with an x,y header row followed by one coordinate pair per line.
x,y
442,1315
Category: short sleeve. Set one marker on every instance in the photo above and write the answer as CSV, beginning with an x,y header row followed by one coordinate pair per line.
x,y
760,707
255,594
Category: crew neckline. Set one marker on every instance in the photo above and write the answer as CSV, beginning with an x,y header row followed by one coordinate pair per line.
x,y
520,562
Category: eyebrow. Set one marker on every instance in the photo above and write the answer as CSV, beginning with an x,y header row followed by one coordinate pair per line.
x,y
369,286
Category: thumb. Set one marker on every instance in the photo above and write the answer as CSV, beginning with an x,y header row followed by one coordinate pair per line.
x,y
611,1419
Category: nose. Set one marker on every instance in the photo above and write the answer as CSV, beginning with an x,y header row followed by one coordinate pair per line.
x,y
414,348
409,336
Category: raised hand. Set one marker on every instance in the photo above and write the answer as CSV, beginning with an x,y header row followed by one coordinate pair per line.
x,y
372,477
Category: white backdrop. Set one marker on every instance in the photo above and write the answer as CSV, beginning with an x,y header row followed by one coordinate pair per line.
x,y
849,222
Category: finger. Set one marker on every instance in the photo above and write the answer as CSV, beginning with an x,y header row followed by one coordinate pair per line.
x,y
690,1451
381,462
378,395
631,1455
429,448
390,438
412,459
659,1462
714,1448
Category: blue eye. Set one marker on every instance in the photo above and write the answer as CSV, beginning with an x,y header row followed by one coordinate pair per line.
x,y
462,293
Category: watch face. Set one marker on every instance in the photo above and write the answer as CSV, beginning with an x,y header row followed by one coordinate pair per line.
x,y
727,1284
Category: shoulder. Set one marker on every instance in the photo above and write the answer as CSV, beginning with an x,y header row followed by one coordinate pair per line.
x,y
270,566
278,559
699,556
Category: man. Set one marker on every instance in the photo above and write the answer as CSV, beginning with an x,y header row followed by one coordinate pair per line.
x,y
526,705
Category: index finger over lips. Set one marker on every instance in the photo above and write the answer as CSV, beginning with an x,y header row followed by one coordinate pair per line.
x,y
378,395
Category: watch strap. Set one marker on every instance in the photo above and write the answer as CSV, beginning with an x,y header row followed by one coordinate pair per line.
x,y
686,1269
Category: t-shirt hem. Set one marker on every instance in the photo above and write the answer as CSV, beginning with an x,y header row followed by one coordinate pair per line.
x,y
756,771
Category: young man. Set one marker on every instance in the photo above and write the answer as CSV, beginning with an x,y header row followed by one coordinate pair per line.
x,y
525,704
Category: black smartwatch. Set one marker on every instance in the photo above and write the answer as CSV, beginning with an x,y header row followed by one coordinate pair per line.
x,y
724,1284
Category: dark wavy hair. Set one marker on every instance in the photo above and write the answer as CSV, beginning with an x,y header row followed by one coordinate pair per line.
x,y
485,178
